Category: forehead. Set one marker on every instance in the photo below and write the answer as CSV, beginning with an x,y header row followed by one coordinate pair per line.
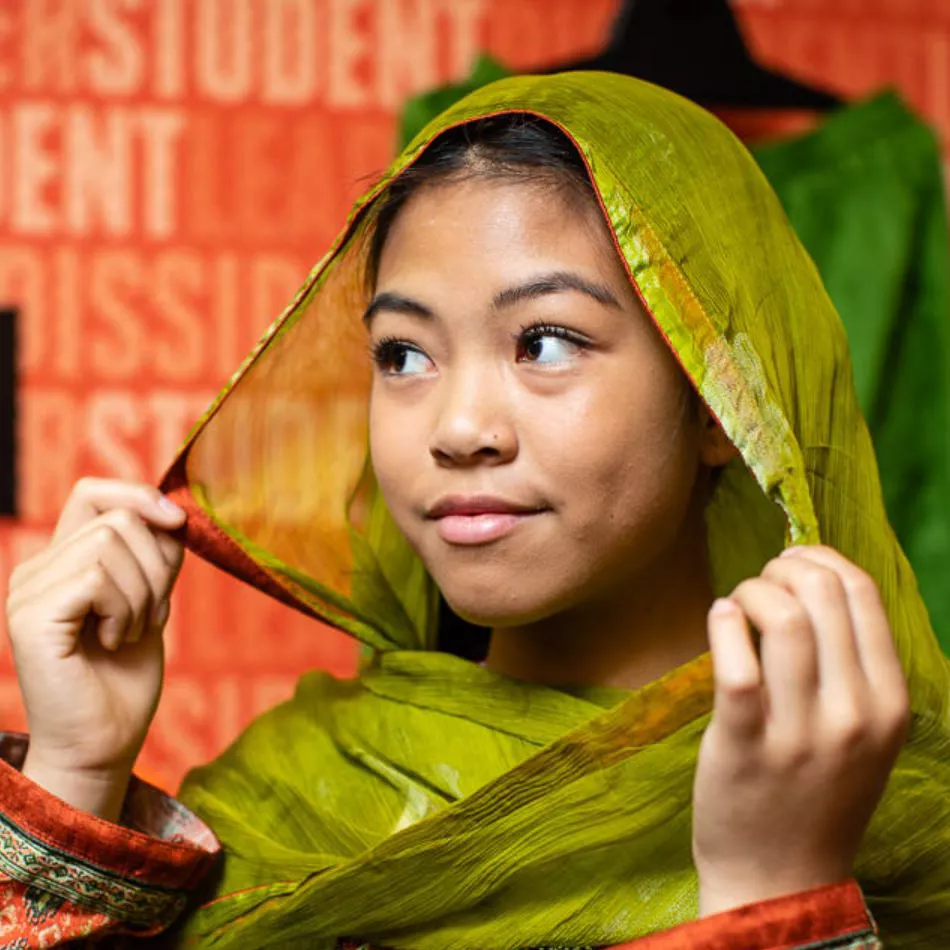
x,y
489,221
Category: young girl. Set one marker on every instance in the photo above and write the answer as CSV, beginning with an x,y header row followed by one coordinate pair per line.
x,y
612,425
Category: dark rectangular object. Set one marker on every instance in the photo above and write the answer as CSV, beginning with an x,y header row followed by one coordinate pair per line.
x,y
8,414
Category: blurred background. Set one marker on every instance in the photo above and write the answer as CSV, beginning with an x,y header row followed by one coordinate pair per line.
x,y
171,169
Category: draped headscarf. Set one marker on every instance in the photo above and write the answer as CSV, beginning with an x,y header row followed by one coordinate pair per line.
x,y
433,804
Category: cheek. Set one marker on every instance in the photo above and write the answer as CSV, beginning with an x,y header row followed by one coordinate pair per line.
x,y
393,453
625,449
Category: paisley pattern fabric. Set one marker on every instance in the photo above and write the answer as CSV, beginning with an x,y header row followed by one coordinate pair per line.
x,y
66,875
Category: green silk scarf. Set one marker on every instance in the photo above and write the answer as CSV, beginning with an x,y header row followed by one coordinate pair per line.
x,y
431,804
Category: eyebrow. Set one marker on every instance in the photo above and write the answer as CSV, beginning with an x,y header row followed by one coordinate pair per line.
x,y
557,282
396,303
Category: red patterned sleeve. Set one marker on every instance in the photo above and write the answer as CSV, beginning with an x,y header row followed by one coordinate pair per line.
x,y
829,918
67,875
834,916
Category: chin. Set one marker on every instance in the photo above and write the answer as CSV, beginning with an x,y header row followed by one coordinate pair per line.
x,y
504,585
496,616
499,604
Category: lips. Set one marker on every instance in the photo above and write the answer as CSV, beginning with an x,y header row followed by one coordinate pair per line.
x,y
473,505
479,519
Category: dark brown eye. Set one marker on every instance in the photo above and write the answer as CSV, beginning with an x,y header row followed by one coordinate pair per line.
x,y
533,349
397,358
548,345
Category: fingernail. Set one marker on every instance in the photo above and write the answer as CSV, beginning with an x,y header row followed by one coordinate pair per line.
x,y
722,606
169,507
790,552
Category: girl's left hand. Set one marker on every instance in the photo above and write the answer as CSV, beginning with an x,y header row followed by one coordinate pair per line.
x,y
803,735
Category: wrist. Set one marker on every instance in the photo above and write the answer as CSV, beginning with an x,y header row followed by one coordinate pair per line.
x,y
99,792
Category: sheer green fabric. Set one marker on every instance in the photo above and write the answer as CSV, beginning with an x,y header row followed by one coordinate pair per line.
x,y
432,804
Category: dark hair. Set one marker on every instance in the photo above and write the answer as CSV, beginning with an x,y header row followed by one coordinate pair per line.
x,y
517,147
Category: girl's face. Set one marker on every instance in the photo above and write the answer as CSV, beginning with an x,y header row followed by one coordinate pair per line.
x,y
530,430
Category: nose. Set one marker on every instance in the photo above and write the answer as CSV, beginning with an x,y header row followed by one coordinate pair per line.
x,y
474,425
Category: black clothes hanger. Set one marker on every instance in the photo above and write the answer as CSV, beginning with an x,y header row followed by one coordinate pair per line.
x,y
694,47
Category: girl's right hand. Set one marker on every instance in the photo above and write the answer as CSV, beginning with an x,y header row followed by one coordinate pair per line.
x,y
85,619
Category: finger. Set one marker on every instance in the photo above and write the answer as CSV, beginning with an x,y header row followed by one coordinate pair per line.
x,y
147,549
160,554
129,575
106,547
788,652
160,575
821,592
90,597
873,638
173,551
115,611
739,702
92,497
